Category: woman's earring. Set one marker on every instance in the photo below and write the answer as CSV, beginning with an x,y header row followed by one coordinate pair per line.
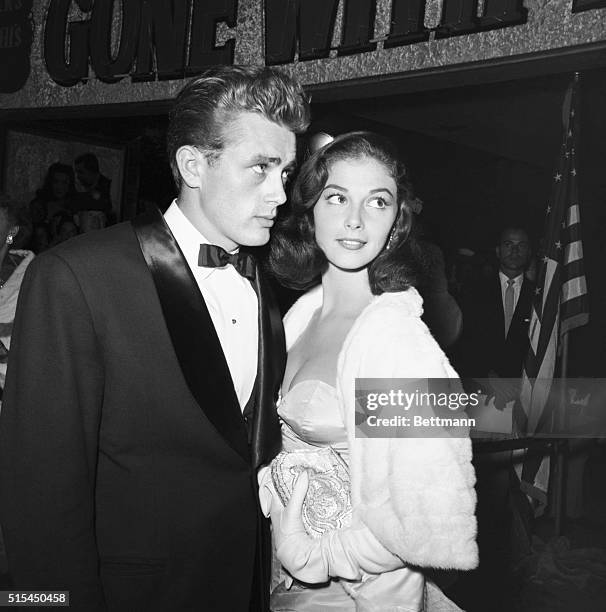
x,y
390,239
9,239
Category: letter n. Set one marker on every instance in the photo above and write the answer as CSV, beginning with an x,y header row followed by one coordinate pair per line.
x,y
310,23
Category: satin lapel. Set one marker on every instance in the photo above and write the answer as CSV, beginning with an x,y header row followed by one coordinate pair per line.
x,y
266,439
191,330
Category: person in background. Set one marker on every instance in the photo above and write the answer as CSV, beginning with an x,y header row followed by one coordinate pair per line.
x,y
441,313
96,186
56,196
496,314
13,263
89,220
41,237
64,228
490,356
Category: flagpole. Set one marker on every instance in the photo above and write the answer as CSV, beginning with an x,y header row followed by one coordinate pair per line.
x,y
562,413
561,445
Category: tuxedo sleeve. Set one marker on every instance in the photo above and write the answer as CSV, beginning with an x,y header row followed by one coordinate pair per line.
x,y
49,429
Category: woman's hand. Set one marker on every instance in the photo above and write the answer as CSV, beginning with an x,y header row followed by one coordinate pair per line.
x,y
344,553
298,552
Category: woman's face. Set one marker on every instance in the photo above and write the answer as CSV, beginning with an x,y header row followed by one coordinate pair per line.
x,y
355,212
60,185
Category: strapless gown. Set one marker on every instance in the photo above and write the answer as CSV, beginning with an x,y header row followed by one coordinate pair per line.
x,y
310,419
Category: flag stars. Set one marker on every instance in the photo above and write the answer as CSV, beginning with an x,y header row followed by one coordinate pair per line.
x,y
567,154
548,209
537,291
563,224
545,259
573,172
558,245
557,177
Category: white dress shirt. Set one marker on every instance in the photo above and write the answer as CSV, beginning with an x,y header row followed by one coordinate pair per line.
x,y
231,302
517,287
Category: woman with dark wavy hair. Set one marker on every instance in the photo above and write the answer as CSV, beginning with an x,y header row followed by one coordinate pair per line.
x,y
365,515
56,194
298,261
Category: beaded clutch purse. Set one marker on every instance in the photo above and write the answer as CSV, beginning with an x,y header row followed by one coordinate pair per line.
x,y
327,504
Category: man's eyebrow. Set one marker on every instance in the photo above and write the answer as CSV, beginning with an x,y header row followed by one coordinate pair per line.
x,y
269,159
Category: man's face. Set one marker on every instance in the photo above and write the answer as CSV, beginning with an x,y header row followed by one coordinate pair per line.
x,y
241,190
87,178
513,252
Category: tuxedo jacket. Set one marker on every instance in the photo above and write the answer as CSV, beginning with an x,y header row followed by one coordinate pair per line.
x,y
126,473
483,346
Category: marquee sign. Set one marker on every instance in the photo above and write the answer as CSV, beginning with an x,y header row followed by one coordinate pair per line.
x,y
142,49
15,43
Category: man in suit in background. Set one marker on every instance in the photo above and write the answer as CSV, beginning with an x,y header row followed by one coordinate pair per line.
x,y
493,347
140,395
497,314
96,187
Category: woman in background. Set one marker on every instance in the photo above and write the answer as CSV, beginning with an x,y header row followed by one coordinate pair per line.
x,y
412,500
56,196
13,263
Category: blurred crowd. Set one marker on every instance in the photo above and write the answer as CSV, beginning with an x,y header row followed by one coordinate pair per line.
x,y
60,211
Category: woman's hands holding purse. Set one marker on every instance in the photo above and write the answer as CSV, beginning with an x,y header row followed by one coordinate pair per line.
x,y
344,553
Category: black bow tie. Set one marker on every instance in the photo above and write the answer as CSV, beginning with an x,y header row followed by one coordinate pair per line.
x,y
212,256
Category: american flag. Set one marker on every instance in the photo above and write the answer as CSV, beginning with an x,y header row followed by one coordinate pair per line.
x,y
560,302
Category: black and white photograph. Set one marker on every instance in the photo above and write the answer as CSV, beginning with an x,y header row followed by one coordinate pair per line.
x,y
303,305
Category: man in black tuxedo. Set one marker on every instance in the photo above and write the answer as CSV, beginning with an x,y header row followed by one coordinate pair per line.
x,y
140,393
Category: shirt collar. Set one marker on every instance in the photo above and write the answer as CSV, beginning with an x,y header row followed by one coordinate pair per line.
x,y
188,238
517,281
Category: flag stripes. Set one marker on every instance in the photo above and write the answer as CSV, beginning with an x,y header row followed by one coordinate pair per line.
x,y
560,298
560,302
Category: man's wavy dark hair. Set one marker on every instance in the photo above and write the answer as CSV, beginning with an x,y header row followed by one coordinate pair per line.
x,y
295,258
204,109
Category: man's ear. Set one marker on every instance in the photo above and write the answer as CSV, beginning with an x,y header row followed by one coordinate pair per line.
x,y
191,163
